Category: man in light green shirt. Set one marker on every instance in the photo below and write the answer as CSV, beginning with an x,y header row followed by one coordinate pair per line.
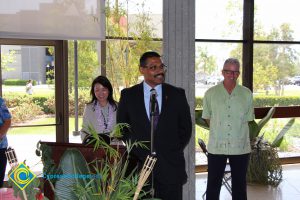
x,y
227,108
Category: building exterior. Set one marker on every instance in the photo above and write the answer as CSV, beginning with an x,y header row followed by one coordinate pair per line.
x,y
29,62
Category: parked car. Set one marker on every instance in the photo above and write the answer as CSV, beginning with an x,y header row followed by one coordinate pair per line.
x,y
294,80
213,80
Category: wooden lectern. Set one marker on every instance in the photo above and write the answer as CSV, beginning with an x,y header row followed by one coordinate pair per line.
x,y
87,151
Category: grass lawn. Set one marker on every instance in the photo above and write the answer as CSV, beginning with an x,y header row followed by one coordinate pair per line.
x,y
289,90
39,90
45,130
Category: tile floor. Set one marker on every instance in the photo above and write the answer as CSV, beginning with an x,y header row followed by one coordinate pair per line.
x,y
288,189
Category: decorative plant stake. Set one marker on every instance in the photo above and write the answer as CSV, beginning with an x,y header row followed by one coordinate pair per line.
x,y
146,170
13,162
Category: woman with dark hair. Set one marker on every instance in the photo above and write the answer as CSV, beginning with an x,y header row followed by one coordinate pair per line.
x,y
100,113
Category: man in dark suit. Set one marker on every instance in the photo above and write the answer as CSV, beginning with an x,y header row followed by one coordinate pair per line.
x,y
173,129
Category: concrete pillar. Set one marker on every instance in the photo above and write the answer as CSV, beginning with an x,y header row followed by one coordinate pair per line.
x,y
179,56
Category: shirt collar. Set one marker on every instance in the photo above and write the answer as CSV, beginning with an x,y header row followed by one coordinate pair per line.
x,y
147,89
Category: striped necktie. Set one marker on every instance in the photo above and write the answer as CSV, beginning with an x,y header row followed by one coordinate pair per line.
x,y
156,109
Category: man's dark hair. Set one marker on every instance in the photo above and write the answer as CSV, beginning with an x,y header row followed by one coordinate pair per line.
x,y
146,55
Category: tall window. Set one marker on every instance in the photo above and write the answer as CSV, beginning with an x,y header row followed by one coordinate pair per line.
x,y
219,35
276,67
269,56
88,68
29,70
132,28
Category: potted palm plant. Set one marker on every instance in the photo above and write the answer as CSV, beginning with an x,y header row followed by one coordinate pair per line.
x,y
264,164
108,178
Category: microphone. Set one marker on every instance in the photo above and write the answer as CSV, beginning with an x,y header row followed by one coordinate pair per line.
x,y
153,95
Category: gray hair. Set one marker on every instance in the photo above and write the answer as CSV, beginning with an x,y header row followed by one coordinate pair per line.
x,y
232,61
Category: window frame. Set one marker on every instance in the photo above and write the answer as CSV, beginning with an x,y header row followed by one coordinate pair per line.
x,y
247,60
247,72
61,79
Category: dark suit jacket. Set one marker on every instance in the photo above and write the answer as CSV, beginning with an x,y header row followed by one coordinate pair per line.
x,y
172,134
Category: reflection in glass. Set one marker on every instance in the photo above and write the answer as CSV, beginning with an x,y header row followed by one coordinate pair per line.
x,y
210,58
137,23
279,22
290,146
276,73
133,18
219,19
122,61
28,74
28,88
88,52
51,19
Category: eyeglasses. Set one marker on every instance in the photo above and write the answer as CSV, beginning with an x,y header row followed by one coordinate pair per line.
x,y
154,67
229,72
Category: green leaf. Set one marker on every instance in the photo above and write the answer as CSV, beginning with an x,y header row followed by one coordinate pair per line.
x,y
279,138
199,120
253,130
117,131
72,163
264,120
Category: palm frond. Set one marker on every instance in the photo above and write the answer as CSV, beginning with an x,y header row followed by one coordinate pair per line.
x,y
277,141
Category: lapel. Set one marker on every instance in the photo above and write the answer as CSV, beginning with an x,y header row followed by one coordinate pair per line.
x,y
164,99
140,103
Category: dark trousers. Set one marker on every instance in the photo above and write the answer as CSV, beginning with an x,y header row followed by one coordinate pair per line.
x,y
216,167
3,162
168,191
164,191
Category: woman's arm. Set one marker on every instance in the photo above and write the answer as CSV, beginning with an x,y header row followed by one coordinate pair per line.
x,y
4,128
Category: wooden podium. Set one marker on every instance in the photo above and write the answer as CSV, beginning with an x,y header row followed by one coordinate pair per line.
x,y
87,151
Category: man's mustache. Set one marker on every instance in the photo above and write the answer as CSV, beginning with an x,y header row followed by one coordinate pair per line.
x,y
156,75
